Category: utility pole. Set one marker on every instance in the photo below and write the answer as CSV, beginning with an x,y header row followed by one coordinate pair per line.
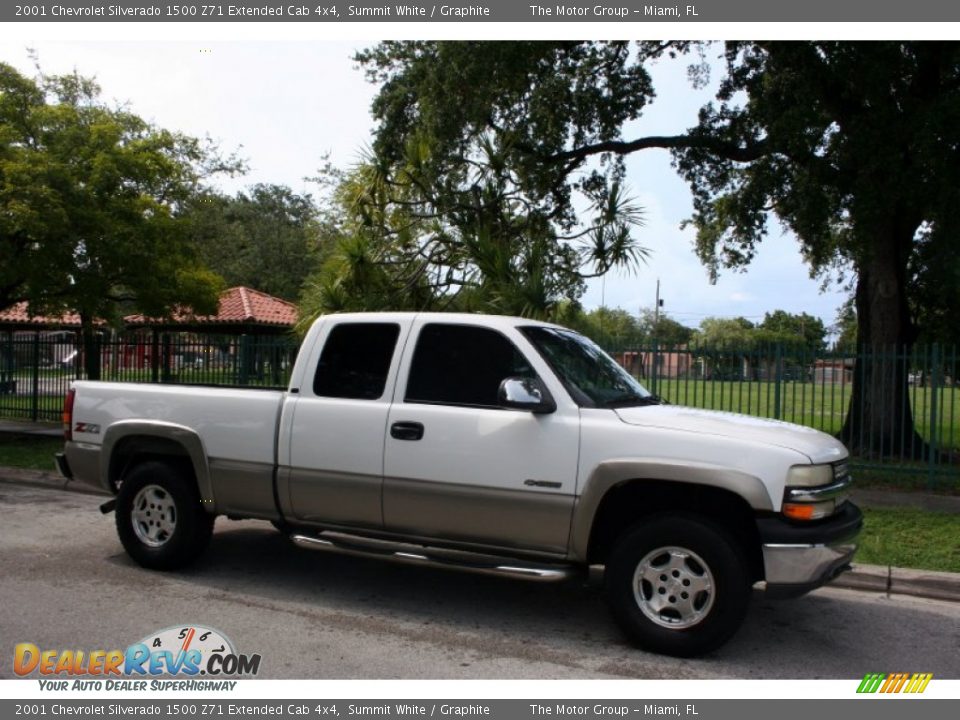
x,y
655,360
656,308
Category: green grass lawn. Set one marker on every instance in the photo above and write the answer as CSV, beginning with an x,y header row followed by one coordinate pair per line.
x,y
21,407
28,451
910,538
819,405
907,477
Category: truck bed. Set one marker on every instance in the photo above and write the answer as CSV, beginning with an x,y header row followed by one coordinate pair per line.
x,y
237,429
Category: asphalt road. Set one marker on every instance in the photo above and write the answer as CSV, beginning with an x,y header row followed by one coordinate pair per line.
x,y
65,582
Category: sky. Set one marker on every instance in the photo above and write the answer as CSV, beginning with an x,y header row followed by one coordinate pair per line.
x,y
285,105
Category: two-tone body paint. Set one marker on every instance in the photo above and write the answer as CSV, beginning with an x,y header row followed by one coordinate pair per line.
x,y
227,434
486,477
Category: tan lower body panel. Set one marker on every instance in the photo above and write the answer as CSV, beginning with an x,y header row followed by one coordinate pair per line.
x,y
529,520
243,488
85,463
322,497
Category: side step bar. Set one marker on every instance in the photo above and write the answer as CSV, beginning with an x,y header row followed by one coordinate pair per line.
x,y
344,544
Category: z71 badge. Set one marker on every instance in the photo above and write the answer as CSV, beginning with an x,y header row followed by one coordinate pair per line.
x,y
89,428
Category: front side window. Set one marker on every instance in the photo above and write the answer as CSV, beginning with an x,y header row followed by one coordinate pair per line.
x,y
462,365
592,377
355,361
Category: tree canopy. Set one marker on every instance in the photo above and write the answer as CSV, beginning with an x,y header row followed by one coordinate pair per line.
x,y
446,213
802,333
853,146
91,198
737,333
266,238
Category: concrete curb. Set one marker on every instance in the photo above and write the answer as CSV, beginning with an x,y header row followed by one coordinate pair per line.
x,y
867,578
15,427
46,479
901,581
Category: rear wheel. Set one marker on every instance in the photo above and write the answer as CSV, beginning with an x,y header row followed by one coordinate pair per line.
x,y
160,520
678,585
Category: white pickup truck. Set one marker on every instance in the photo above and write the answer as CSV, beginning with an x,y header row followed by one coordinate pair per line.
x,y
489,444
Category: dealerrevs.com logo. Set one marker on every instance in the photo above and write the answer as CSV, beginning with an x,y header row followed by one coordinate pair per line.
x,y
179,651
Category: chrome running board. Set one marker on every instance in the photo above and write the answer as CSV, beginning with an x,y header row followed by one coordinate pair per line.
x,y
344,544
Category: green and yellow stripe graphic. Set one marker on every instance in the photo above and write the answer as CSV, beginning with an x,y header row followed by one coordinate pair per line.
x,y
894,682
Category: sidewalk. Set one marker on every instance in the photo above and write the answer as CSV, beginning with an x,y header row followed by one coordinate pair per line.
x,y
30,428
898,498
867,578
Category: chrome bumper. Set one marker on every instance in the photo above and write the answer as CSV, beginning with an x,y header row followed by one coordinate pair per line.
x,y
795,561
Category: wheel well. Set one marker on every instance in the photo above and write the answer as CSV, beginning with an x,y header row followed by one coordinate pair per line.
x,y
133,450
629,502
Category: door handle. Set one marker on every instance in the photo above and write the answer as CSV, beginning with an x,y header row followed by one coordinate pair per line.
x,y
406,430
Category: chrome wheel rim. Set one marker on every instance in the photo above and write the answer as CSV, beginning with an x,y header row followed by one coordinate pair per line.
x,y
674,587
154,516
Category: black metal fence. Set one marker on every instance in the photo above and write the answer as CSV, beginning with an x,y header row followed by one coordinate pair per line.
x,y
913,405
907,420
36,368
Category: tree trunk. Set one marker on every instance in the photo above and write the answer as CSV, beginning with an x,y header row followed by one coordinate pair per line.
x,y
91,347
879,420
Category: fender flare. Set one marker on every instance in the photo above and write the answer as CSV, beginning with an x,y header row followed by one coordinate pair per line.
x,y
612,473
181,435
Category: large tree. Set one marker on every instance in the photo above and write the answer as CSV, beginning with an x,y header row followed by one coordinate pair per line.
x,y
90,205
737,333
267,238
803,335
663,329
853,146
447,205
477,241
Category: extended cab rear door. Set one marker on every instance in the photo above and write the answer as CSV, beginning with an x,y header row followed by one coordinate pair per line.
x,y
332,470
457,465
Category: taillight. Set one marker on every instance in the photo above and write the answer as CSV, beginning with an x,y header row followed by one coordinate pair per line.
x,y
68,415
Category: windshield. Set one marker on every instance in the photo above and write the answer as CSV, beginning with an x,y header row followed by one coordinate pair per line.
x,y
592,377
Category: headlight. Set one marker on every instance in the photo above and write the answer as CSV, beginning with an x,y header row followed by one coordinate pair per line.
x,y
809,475
815,491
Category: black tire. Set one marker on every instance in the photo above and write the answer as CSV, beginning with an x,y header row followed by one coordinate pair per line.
x,y
678,585
160,519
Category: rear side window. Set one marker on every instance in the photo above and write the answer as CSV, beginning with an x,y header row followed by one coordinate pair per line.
x,y
355,361
462,365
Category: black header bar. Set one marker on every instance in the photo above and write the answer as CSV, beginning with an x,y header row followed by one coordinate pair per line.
x,y
610,11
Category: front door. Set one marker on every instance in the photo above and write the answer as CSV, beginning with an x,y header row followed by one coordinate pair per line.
x,y
459,466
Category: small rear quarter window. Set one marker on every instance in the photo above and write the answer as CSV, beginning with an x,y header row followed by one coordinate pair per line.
x,y
355,361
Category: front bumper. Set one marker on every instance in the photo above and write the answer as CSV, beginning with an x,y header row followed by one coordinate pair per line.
x,y
799,558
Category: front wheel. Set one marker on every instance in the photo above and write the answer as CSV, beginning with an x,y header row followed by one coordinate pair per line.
x,y
160,520
678,585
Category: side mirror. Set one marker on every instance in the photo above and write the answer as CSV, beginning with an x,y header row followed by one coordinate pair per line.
x,y
526,394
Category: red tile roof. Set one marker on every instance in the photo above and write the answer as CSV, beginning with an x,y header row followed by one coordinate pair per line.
x,y
242,304
19,314
238,305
